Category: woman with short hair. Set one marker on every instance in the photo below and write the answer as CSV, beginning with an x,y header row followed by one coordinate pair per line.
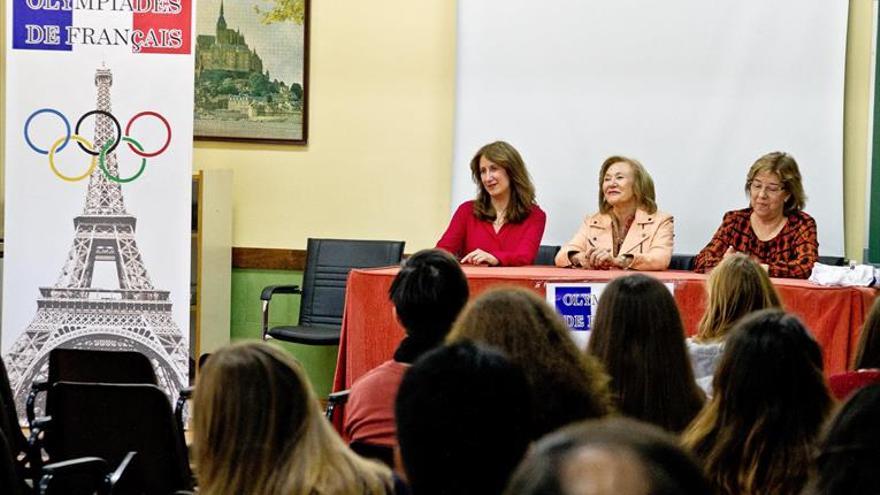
x,y
503,225
758,432
628,231
258,428
774,229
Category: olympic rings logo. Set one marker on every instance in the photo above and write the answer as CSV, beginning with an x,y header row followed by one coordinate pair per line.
x,y
99,157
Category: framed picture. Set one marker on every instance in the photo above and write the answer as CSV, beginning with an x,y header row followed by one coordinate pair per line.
x,y
251,71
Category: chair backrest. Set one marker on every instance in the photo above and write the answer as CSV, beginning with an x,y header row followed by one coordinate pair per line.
x,y
682,262
832,260
110,420
547,255
94,366
328,262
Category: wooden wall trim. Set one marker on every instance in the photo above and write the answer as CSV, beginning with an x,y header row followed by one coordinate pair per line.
x,y
268,259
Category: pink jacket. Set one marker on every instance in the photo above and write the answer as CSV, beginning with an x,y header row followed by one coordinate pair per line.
x,y
649,239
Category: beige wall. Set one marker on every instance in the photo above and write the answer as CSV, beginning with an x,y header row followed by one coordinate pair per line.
x,y
378,160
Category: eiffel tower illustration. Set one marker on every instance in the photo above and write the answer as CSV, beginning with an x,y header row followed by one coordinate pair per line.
x,y
74,314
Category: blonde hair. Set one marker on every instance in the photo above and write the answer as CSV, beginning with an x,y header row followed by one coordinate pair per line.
x,y
736,287
786,168
643,184
258,428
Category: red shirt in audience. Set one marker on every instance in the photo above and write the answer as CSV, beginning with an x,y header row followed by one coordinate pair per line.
x,y
369,412
515,244
844,384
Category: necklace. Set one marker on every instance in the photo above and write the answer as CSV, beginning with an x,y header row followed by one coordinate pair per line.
x,y
499,218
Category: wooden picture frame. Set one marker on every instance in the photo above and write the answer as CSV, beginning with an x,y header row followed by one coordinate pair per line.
x,y
251,71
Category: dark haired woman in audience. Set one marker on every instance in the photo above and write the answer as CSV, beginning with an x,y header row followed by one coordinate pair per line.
x,y
567,384
258,429
638,336
736,287
773,229
464,417
504,225
758,432
866,366
628,231
850,452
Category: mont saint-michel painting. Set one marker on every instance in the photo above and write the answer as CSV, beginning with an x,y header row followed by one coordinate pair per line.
x,y
251,74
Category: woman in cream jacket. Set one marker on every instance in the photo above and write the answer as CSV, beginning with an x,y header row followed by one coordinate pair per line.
x,y
628,232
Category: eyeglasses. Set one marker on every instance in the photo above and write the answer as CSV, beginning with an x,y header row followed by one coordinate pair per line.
x,y
757,187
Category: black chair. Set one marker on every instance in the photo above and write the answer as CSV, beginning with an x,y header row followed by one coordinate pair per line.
x,y
328,262
110,421
90,366
682,262
832,260
547,255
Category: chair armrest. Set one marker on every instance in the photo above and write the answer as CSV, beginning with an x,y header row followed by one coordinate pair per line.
x,y
335,400
117,473
94,468
267,295
340,397
269,290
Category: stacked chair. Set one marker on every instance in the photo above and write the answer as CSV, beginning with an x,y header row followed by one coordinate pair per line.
x,y
106,427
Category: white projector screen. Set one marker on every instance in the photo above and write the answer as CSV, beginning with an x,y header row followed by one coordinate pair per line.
x,y
695,90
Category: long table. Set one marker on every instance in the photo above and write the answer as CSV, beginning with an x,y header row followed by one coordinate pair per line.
x,y
370,333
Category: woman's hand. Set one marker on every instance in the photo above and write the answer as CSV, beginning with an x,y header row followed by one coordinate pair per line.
x,y
601,259
581,259
479,257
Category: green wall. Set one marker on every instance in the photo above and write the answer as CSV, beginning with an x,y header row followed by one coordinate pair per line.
x,y
318,361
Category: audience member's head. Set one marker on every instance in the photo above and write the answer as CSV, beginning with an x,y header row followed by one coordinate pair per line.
x,y
258,428
758,432
850,453
638,336
736,287
428,293
616,456
567,385
463,420
868,351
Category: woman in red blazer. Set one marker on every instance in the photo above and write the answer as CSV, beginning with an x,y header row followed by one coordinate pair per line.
x,y
503,226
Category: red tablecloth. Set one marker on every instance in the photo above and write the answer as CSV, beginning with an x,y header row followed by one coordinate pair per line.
x,y
370,333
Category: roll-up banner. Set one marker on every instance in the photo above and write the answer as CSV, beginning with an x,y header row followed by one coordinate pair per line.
x,y
99,112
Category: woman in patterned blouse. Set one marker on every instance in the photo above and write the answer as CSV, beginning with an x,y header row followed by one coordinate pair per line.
x,y
773,229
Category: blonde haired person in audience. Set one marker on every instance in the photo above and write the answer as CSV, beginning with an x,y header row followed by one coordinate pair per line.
x,y
628,231
758,433
503,225
567,384
774,228
736,287
258,429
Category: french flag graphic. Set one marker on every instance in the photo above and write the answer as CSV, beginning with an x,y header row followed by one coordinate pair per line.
x,y
141,26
